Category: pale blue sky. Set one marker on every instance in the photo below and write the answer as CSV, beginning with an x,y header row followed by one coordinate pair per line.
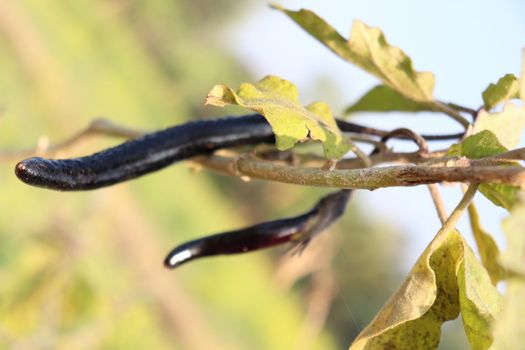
x,y
466,43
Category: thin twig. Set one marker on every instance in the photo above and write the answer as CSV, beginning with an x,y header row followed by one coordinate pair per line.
x,y
408,134
368,140
357,129
451,221
464,109
360,154
101,127
423,149
438,202
441,107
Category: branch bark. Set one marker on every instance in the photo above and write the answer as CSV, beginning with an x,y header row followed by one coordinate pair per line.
x,y
374,178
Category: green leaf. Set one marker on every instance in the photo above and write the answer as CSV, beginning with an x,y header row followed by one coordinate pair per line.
x,y
278,101
368,49
412,317
502,195
509,329
505,89
480,145
487,247
483,144
383,98
479,300
455,150
506,125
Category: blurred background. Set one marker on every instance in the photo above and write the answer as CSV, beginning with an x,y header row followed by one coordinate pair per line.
x,y
84,270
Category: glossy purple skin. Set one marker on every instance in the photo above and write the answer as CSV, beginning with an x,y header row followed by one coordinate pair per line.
x,y
143,155
155,151
299,230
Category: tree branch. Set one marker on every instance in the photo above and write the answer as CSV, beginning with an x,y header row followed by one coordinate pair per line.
x,y
374,178
226,165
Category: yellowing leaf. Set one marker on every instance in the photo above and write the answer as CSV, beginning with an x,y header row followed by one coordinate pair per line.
x,y
368,49
480,302
488,249
505,89
506,125
383,98
445,280
509,330
278,101
412,317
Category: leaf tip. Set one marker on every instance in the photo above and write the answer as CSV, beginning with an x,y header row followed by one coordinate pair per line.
x,y
275,6
220,95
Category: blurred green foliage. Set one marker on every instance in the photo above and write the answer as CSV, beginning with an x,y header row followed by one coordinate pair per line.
x,y
84,270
